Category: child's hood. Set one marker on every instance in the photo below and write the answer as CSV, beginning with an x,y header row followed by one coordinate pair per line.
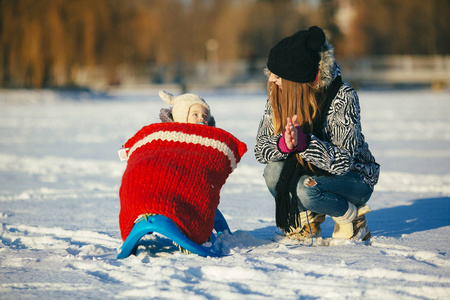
x,y
165,115
180,109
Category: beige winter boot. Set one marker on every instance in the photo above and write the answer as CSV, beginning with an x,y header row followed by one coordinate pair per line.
x,y
343,227
353,224
310,226
360,229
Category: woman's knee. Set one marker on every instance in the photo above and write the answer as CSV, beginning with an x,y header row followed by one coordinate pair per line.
x,y
307,191
272,174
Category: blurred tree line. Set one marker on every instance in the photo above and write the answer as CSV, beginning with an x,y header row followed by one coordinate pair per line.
x,y
45,43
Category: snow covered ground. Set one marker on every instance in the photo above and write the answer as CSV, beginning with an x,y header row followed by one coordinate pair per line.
x,y
60,176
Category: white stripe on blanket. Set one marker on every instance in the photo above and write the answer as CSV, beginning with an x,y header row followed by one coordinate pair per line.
x,y
175,136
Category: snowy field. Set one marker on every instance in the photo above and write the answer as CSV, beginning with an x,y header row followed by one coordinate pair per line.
x,y
60,176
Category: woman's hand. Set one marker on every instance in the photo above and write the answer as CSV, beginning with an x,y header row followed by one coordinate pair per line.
x,y
294,138
291,132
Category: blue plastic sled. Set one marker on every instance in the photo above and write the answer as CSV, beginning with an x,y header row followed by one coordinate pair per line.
x,y
165,226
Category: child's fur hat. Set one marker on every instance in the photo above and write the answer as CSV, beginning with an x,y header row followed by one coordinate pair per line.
x,y
182,104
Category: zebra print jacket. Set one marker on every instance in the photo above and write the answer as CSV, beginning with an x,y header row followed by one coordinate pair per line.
x,y
343,147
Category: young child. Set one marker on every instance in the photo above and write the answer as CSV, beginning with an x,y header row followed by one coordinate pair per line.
x,y
176,168
187,108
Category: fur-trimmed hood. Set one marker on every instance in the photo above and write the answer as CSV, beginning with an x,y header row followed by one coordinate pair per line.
x,y
328,67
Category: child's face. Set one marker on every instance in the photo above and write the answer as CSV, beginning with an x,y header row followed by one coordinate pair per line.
x,y
198,114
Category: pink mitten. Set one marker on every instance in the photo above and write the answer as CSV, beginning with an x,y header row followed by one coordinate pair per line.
x,y
302,140
301,145
282,145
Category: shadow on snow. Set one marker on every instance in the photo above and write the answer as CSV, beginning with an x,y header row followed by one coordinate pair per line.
x,y
421,215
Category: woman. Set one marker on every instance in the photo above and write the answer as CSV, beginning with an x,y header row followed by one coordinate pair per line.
x,y
318,162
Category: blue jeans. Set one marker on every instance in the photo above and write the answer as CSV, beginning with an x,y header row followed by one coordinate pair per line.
x,y
327,195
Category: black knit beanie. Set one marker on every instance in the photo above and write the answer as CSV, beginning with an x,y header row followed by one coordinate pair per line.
x,y
296,57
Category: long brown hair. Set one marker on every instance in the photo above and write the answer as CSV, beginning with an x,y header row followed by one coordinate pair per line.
x,y
301,99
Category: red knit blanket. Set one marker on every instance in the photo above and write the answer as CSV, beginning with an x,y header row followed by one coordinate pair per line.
x,y
177,170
